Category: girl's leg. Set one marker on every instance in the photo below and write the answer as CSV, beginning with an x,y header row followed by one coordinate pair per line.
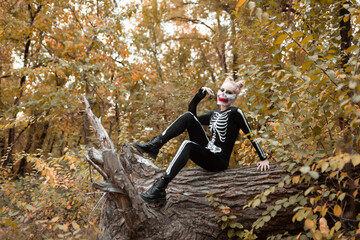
x,y
189,122
199,155
194,149
188,149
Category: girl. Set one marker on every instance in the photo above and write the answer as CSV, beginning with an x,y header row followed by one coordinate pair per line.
x,y
211,154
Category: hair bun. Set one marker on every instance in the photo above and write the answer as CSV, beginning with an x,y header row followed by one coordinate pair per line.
x,y
239,84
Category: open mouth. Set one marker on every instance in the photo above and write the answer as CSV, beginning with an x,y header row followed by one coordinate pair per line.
x,y
224,100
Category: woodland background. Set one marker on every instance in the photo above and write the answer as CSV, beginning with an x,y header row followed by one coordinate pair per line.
x,y
139,63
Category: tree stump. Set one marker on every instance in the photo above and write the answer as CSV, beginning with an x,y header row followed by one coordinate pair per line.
x,y
187,213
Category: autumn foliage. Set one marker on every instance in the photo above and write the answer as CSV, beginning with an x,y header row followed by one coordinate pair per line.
x,y
139,65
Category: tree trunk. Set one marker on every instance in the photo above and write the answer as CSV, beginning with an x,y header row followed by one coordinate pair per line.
x,y
11,138
187,213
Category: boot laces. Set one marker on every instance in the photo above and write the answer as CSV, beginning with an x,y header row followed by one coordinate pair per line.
x,y
155,185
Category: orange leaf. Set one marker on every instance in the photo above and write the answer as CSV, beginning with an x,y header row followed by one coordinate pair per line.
x,y
226,211
355,193
337,210
296,179
309,223
240,3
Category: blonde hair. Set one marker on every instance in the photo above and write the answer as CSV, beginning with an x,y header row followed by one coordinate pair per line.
x,y
238,85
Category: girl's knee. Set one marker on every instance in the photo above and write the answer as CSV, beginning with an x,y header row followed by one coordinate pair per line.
x,y
184,144
189,116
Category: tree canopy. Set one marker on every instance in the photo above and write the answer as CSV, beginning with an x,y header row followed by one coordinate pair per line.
x,y
140,62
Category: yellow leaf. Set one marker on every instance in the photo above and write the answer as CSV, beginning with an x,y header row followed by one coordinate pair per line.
x,y
295,216
312,147
240,3
309,223
296,179
317,235
337,210
324,210
332,174
63,228
324,228
324,166
307,39
355,159
298,34
55,219
280,39
75,225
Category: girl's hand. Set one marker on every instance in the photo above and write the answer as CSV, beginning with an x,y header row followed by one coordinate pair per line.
x,y
208,91
263,165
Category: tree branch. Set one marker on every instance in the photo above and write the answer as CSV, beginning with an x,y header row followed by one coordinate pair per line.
x,y
196,21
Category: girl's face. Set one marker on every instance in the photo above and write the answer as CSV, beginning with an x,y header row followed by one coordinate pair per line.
x,y
226,95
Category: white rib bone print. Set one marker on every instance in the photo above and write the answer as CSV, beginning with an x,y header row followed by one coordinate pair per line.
x,y
218,125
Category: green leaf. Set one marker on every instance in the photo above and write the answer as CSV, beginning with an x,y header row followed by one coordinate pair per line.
x,y
310,189
314,57
266,218
317,130
277,207
331,74
30,207
324,166
337,226
342,196
294,97
231,233
256,203
236,225
224,218
281,201
224,225
314,174
305,169
292,200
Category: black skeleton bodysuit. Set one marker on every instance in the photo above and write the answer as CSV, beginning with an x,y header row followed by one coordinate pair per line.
x,y
213,154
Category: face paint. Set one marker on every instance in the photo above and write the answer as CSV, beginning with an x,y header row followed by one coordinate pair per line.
x,y
225,99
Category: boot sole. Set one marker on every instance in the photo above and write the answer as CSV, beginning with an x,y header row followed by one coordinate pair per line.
x,y
152,155
160,201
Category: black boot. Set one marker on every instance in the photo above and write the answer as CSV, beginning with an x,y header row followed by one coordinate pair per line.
x,y
157,193
152,148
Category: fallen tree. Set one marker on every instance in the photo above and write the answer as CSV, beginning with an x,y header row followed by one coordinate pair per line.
x,y
187,213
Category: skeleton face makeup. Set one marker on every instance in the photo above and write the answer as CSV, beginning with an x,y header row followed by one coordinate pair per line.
x,y
226,95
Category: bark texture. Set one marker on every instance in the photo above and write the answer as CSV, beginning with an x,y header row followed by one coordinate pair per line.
x,y
187,213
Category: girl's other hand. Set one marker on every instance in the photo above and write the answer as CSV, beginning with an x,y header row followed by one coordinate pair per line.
x,y
208,91
263,165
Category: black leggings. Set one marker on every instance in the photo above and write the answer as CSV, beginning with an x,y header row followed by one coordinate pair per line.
x,y
195,149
